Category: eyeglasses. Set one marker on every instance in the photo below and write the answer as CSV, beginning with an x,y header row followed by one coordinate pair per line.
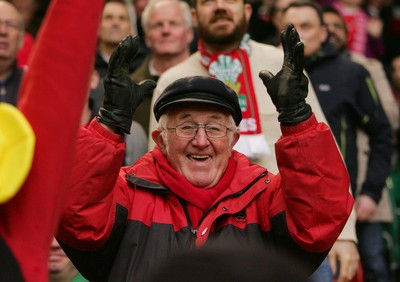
x,y
11,24
189,130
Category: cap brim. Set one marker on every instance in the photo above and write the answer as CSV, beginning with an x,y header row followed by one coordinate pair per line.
x,y
186,100
17,144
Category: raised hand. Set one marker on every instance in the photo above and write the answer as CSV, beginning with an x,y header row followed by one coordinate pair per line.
x,y
122,95
289,87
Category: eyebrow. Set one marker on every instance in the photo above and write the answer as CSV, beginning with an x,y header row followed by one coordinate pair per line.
x,y
186,115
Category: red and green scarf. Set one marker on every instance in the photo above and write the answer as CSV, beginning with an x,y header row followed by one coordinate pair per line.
x,y
234,69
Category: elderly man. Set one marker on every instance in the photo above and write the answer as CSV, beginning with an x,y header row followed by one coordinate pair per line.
x,y
193,189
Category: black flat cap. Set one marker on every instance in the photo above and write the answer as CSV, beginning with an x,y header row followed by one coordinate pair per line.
x,y
199,89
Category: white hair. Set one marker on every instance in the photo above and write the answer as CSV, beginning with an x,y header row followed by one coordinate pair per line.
x,y
185,9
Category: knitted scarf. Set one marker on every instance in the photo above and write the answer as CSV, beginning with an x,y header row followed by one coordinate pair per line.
x,y
233,68
356,21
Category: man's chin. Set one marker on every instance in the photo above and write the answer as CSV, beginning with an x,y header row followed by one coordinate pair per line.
x,y
54,268
223,38
200,182
338,45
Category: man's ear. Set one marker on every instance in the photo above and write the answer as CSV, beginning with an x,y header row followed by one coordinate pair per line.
x,y
324,34
21,39
189,35
159,140
248,10
147,41
194,18
236,137
94,79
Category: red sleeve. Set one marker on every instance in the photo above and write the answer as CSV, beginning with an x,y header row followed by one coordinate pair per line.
x,y
91,199
53,93
315,185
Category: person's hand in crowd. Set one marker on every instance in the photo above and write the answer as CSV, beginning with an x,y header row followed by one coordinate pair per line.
x,y
365,207
122,96
345,254
289,87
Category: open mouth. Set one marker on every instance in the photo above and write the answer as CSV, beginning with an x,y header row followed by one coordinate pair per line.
x,y
198,157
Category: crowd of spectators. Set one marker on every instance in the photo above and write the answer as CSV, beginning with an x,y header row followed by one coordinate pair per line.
x,y
371,31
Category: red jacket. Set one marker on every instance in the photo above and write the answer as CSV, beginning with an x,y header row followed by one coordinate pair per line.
x,y
121,222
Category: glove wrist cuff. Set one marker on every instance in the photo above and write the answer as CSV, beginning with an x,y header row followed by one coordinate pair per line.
x,y
296,115
121,121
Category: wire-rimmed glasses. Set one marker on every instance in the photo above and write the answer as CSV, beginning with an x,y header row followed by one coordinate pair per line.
x,y
189,130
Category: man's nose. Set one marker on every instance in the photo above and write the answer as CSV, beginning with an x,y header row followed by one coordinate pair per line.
x,y
3,27
220,4
201,138
330,28
166,27
116,21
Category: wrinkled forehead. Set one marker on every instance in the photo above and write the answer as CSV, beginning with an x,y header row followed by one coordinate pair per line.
x,y
198,112
9,12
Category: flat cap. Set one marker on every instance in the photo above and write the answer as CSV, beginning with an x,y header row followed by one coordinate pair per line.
x,y
199,89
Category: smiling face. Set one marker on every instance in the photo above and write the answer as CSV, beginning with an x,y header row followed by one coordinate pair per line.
x,y
222,22
201,160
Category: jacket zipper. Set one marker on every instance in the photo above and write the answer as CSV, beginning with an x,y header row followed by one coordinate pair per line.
x,y
194,231
190,224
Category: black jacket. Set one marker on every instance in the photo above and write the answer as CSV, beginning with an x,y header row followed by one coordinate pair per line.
x,y
349,101
9,88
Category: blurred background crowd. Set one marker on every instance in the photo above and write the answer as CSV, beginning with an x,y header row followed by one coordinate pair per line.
x,y
372,30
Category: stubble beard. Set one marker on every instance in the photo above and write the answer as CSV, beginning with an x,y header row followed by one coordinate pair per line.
x,y
235,36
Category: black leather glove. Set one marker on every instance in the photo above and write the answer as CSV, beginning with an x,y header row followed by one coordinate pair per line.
x,y
289,87
122,96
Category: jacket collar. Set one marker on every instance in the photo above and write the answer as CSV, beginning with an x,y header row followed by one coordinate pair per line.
x,y
327,52
143,175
